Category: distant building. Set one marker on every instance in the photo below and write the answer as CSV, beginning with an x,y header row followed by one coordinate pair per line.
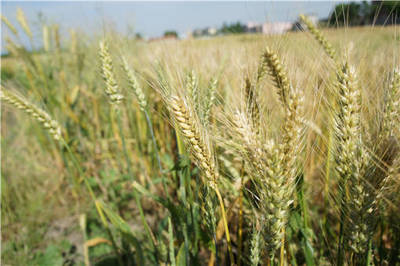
x,y
276,27
206,32
268,27
253,27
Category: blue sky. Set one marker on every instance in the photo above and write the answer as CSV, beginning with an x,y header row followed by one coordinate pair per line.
x,y
151,19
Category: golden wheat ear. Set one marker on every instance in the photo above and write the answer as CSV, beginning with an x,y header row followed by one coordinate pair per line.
x,y
278,73
44,118
190,130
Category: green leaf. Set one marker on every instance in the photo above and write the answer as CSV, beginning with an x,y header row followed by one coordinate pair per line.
x,y
181,258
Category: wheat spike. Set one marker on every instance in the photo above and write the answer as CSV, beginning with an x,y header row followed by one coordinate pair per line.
x,y
351,157
320,38
108,74
278,73
134,84
210,101
391,119
46,40
23,22
9,25
252,105
190,130
44,118
267,165
255,248
193,86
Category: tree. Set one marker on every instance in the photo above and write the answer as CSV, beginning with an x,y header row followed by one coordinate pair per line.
x,y
365,13
171,33
232,28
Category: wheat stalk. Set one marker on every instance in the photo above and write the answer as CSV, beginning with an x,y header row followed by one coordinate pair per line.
x,y
44,118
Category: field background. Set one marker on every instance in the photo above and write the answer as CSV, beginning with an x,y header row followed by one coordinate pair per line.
x,y
42,209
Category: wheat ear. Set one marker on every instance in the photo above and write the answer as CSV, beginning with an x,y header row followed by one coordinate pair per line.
x,y
252,105
203,157
278,73
9,25
193,87
108,74
266,167
44,118
391,119
210,101
255,247
320,38
134,84
351,161
23,22
190,130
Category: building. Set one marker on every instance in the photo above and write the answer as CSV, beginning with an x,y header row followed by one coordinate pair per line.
x,y
253,27
206,32
276,27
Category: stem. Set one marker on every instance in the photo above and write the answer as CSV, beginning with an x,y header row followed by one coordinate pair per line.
x,y
340,256
240,232
369,253
223,213
93,196
135,194
282,259
149,124
119,121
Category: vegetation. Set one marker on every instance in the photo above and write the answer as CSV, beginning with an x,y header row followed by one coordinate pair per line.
x,y
239,150
171,33
365,13
233,28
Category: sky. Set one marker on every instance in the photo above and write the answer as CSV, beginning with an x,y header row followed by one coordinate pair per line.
x,y
152,19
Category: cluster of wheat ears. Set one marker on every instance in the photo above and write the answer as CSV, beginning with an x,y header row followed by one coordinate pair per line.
x,y
236,152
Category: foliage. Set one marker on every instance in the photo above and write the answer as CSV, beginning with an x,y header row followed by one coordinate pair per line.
x,y
365,13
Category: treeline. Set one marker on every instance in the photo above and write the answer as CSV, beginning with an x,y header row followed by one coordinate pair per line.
x,y
364,13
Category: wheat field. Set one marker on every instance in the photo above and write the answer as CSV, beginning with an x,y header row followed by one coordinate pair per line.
x,y
235,150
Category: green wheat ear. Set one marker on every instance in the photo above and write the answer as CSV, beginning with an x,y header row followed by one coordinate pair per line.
x,y
44,118
134,84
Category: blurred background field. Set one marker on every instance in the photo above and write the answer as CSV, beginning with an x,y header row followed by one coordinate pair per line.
x,y
48,217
